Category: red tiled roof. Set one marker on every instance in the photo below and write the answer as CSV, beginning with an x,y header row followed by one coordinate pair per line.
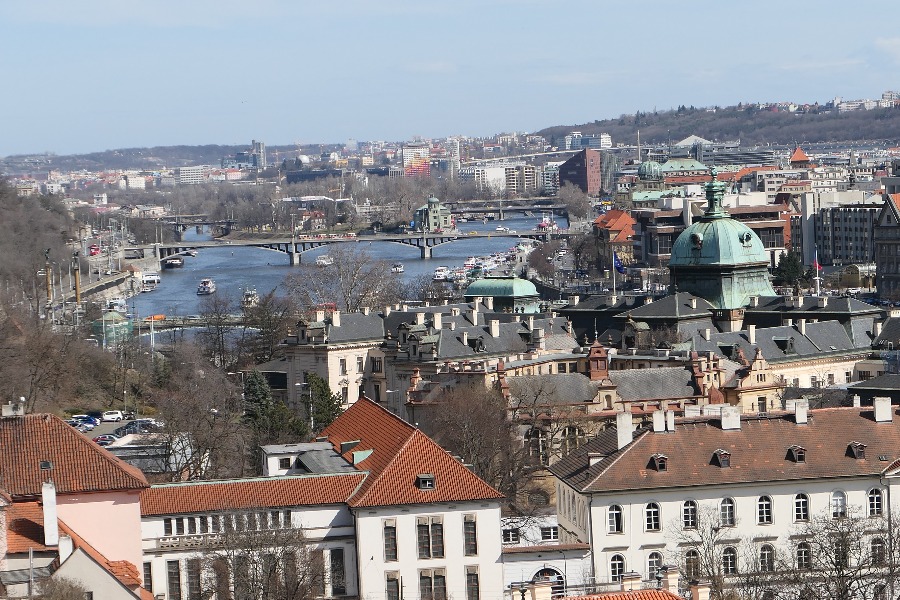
x,y
799,156
79,465
631,595
122,570
203,496
400,453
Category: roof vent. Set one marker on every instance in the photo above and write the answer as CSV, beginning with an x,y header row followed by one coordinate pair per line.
x,y
797,454
425,481
857,450
347,446
722,458
660,462
46,465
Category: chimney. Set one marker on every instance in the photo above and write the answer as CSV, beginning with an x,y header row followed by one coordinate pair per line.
x,y
66,547
494,325
477,300
529,322
473,315
632,581
670,420
707,333
751,333
335,318
876,328
320,315
789,322
693,302
624,428
387,310
801,410
822,301
594,458
437,320
420,318
574,300
670,578
801,326
465,338
659,421
731,418
365,310
611,300
51,522
883,410
700,590
489,302
452,325
857,401
754,300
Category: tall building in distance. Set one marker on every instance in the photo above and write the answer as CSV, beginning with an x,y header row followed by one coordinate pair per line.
x,y
455,161
417,159
258,154
582,170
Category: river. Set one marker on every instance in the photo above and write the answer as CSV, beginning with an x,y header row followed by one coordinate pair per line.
x,y
235,268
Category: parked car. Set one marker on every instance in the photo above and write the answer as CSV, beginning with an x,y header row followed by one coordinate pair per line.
x,y
77,425
113,415
105,440
87,419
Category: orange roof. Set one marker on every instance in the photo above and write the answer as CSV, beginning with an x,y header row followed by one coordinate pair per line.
x,y
799,156
631,595
400,452
202,496
78,464
122,570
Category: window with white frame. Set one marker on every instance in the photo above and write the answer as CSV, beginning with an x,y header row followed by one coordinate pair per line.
x,y
727,516
615,519
510,536
389,532
692,564
470,535
654,564
652,517
549,534
838,505
801,507
876,502
473,588
689,514
764,510
767,558
729,561
616,567
804,556
430,537
432,584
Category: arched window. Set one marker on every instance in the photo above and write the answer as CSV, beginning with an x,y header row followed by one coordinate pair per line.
x,y
652,517
878,552
616,567
654,564
766,558
727,516
764,510
558,587
538,446
692,564
804,556
615,519
572,437
801,507
689,514
838,505
729,561
875,502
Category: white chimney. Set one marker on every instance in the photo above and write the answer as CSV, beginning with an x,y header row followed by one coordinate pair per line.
x,y
632,581
693,302
335,318
822,301
437,320
473,315
659,421
387,310
670,420
857,401
801,326
365,310
624,428
751,333
420,318
320,315
66,547
494,325
876,328
670,579
731,418
529,322
465,338
801,410
51,520
883,410
574,300
754,300
707,333
489,302
700,590
789,322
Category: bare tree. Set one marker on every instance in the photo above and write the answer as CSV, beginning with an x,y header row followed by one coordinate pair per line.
x,y
262,555
61,588
578,204
352,281
269,320
216,337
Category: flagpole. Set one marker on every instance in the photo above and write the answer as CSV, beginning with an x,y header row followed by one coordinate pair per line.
x,y
817,267
614,273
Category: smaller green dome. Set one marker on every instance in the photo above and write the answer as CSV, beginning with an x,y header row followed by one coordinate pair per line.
x,y
501,287
649,169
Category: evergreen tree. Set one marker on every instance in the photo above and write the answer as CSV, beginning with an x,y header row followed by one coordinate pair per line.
x,y
271,421
325,406
790,269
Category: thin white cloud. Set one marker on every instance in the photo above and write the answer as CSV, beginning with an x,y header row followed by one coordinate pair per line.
x,y
890,46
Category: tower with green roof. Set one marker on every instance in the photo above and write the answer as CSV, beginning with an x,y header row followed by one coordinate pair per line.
x,y
720,259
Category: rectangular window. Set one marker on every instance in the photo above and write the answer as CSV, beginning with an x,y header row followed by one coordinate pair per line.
x,y
284,463
472,589
275,519
148,577
437,538
342,366
192,526
338,581
179,526
216,523
167,526
432,585
430,537
510,536
390,540
549,534
376,365
392,586
470,535
193,578
345,394
360,364
173,579
562,367
204,524
423,537
287,518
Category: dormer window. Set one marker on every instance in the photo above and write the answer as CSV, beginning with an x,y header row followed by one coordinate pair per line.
x,y
660,462
857,449
425,481
797,454
722,458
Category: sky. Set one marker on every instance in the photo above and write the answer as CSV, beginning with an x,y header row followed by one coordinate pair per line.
x,y
93,75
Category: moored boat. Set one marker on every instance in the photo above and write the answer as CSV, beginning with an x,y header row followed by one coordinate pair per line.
x,y
207,286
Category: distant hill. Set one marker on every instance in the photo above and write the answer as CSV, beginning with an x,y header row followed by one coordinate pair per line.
x,y
748,124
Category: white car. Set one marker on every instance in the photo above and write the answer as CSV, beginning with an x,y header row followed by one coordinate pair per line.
x,y
113,415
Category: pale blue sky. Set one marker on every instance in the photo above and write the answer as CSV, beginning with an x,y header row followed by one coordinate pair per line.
x,y
91,75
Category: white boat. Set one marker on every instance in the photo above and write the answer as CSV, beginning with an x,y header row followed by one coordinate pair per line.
x,y
397,268
470,262
173,262
207,286
324,261
250,299
501,229
441,273
191,252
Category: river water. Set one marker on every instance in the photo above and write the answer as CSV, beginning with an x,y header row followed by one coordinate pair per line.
x,y
235,268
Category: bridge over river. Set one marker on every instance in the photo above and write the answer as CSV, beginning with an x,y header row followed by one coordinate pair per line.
x,y
296,246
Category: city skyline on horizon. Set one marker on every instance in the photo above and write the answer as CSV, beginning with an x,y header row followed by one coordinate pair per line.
x,y
104,75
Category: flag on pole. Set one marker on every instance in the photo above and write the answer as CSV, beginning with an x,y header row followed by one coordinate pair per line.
x,y
617,264
816,264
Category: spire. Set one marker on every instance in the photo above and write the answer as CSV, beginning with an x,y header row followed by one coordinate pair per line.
x,y
715,192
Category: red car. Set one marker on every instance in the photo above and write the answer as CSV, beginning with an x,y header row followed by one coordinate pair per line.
x,y
94,250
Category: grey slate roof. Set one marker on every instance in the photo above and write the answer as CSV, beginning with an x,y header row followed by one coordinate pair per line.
x,y
650,384
312,457
356,327
890,332
887,381
666,308
823,337
561,388
512,339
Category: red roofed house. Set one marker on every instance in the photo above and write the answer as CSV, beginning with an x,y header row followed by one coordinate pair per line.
x,y
614,231
71,503
376,497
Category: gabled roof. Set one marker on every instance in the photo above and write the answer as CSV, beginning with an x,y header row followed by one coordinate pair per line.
x,y
399,453
78,464
758,452
799,156
239,494
649,594
653,384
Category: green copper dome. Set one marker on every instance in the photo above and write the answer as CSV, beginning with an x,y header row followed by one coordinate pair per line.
x,y
501,287
649,169
720,259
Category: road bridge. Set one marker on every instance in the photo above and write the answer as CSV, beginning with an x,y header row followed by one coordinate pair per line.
x,y
295,247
